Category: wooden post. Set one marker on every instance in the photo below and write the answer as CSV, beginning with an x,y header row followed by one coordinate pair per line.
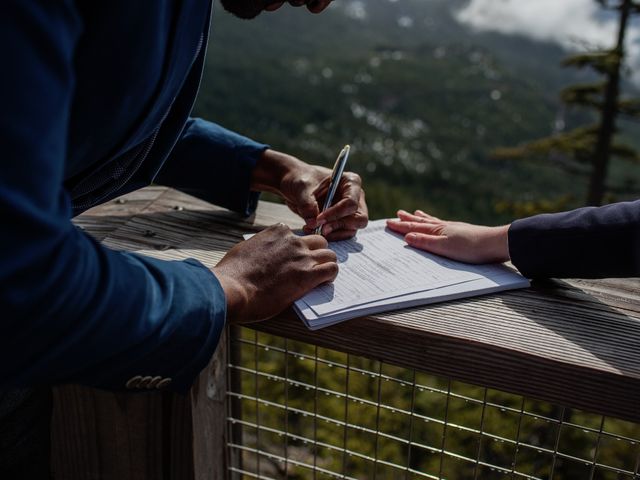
x,y
209,417
123,436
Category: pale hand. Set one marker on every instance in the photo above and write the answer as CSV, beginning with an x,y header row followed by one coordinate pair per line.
x,y
456,240
304,188
266,274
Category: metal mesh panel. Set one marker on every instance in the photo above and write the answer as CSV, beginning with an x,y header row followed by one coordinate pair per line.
x,y
297,411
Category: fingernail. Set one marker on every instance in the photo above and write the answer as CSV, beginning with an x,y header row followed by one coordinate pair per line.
x,y
410,237
326,230
320,222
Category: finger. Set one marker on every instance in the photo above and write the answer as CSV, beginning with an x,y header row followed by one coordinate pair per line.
x,y
317,6
354,222
324,255
422,214
325,272
273,6
306,205
344,208
417,227
431,243
349,195
409,217
340,235
307,230
323,188
315,242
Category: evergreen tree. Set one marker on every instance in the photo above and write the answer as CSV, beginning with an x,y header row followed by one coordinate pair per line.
x,y
587,150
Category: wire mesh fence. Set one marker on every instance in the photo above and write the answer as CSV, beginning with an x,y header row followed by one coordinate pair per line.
x,y
297,411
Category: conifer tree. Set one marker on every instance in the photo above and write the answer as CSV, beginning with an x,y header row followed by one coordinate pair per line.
x,y
587,150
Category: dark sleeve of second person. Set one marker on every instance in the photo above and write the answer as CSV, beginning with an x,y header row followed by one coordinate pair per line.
x,y
592,242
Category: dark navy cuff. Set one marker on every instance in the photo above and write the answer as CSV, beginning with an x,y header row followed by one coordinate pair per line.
x,y
214,164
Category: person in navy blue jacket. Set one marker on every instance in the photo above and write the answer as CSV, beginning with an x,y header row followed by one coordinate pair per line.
x,y
590,242
95,101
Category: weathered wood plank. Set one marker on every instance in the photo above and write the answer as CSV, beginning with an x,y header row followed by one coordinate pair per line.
x,y
209,417
571,342
106,435
533,372
100,221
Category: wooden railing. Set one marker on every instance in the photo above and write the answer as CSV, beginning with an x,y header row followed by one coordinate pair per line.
x,y
572,343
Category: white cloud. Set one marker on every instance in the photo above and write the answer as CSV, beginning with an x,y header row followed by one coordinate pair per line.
x,y
569,23
356,9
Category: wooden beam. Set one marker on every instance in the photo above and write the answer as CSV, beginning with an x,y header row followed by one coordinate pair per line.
x,y
574,343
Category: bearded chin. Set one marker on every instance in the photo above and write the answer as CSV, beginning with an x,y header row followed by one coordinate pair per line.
x,y
246,9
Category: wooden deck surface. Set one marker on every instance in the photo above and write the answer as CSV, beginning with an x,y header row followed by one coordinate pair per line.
x,y
575,343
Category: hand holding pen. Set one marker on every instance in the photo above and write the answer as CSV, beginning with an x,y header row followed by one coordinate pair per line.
x,y
344,209
305,189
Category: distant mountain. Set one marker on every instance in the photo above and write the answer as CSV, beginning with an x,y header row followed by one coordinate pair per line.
x,y
422,98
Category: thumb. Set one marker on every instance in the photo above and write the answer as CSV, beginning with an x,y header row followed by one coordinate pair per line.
x,y
306,206
437,244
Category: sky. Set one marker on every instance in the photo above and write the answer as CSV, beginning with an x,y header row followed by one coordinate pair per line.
x,y
570,23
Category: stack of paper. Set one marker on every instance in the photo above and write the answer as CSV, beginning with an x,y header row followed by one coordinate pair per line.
x,y
379,272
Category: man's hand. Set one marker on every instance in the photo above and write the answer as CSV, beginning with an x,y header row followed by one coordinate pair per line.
x,y
304,188
314,6
456,240
264,275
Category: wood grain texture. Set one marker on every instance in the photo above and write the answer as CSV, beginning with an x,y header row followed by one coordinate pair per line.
x,y
575,343
209,418
105,435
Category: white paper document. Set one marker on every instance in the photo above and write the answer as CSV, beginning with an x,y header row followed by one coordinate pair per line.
x,y
378,264
380,272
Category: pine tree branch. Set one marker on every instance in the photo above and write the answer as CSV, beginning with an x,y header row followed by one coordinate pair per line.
x,y
605,62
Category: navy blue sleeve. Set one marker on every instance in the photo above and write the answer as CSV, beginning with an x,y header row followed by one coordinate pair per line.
x,y
70,309
585,243
214,164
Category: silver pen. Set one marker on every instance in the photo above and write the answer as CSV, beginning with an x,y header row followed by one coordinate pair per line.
x,y
336,175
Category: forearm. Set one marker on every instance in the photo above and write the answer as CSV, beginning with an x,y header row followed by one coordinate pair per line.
x,y
496,244
98,317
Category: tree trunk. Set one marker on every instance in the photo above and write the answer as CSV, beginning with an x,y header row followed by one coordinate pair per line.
x,y
607,129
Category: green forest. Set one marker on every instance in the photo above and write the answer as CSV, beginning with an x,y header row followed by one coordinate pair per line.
x,y
426,103
424,108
